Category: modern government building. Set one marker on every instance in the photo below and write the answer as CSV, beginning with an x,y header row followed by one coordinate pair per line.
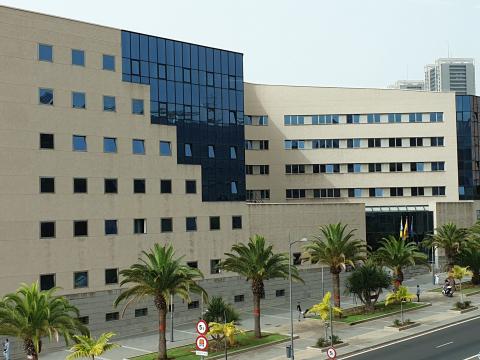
x,y
112,141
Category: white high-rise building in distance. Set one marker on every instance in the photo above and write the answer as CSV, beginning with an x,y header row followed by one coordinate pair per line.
x,y
451,74
409,85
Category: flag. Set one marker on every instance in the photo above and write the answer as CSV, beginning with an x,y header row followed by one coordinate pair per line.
x,y
405,229
401,227
410,231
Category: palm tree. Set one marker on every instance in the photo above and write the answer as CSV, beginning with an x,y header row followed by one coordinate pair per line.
x,y
218,309
257,263
459,272
450,238
160,275
470,256
396,254
367,282
89,347
32,314
336,248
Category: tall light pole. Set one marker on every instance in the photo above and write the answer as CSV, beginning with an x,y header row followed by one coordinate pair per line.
x,y
290,243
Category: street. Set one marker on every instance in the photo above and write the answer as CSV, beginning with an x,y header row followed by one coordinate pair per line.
x,y
456,342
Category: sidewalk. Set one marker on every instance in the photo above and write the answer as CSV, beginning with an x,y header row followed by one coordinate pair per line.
x,y
371,333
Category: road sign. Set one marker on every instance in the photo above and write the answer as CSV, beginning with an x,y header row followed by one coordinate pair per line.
x,y
201,343
331,353
202,327
201,353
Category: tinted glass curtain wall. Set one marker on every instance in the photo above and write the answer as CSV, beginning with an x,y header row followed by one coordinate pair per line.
x,y
468,147
200,91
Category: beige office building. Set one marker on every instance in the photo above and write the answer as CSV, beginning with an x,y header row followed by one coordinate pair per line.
x,y
113,141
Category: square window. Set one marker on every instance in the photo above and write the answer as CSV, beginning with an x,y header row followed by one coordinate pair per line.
x,y
233,152
80,228
80,279
211,151
139,186
108,62
192,264
280,293
109,145
137,107
141,312
111,276
112,316
165,186
47,185
239,298
45,52
214,222
188,150
111,186
165,148
80,186
47,229
138,147
236,222
78,100
215,266
111,227
166,225
190,186
78,57
139,226
47,141
47,281
191,224
79,143
109,103
45,96
84,320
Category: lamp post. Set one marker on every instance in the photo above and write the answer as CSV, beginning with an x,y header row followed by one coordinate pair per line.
x,y
171,317
290,243
225,336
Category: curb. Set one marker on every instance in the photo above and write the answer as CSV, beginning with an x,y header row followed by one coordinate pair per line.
x,y
384,316
241,351
403,338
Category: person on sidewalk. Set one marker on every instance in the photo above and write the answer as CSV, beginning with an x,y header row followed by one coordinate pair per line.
x,y
6,350
418,293
299,309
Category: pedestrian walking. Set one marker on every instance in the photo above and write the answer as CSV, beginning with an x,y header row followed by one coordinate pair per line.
x,y
299,309
437,279
418,293
6,350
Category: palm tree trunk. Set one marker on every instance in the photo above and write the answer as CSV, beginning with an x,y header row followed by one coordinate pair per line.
x,y
29,349
161,305
257,289
336,288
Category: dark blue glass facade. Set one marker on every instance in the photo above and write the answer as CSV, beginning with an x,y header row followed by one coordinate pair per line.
x,y
468,146
200,91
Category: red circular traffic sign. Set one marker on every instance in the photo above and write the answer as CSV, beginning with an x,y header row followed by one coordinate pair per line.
x,y
202,327
201,342
331,353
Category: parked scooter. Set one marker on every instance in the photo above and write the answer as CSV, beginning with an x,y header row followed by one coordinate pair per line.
x,y
447,290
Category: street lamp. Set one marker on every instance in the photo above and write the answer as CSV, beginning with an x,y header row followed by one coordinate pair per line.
x,y
290,243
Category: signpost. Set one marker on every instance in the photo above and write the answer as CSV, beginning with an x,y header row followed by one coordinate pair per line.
x,y
201,342
331,353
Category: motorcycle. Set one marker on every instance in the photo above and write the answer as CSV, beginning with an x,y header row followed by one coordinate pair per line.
x,y
447,291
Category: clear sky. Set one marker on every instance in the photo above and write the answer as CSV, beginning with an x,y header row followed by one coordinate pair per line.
x,y
359,43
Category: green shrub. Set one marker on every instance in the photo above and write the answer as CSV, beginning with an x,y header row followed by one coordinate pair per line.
x,y
321,343
463,305
397,323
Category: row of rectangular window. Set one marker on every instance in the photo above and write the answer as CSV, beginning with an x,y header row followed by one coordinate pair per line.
x,y
80,279
363,167
360,118
361,192
79,101
45,53
257,169
256,144
258,195
80,186
363,143
261,120
80,227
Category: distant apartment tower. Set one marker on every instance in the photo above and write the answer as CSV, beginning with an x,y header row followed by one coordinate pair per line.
x,y
409,85
451,74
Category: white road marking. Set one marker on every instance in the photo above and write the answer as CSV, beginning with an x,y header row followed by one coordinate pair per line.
x,y
473,357
137,349
410,338
439,346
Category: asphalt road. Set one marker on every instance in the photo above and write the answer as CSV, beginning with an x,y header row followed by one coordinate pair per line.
x,y
457,342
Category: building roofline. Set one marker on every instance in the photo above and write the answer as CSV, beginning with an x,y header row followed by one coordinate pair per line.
x,y
109,27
